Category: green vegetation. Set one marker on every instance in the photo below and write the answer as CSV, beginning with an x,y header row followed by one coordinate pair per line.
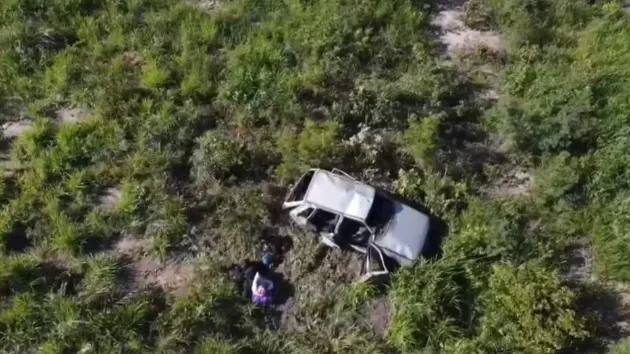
x,y
178,130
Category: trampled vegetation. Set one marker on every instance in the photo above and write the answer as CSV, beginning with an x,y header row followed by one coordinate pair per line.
x,y
161,135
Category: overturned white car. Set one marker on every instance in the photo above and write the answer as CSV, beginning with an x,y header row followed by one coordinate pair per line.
x,y
347,213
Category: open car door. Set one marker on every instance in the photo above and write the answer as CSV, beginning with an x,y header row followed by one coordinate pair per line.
x,y
374,267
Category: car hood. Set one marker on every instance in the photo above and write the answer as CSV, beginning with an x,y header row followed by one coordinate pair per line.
x,y
405,235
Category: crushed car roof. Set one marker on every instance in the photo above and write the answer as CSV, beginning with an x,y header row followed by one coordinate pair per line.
x,y
340,194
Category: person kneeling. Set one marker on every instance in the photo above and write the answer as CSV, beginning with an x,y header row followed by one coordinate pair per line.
x,y
262,290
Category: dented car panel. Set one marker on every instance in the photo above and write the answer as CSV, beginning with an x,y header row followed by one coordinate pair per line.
x,y
405,235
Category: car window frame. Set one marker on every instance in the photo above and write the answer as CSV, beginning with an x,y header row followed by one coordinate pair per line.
x,y
361,222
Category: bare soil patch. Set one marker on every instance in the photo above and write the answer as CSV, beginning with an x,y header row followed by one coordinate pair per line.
x,y
72,115
204,5
316,274
171,275
379,314
111,198
579,267
457,37
13,130
515,183
133,58
133,247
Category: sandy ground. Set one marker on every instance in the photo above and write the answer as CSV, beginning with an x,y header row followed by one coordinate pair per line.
x,y
72,115
457,37
171,275
516,183
379,313
111,198
12,130
204,5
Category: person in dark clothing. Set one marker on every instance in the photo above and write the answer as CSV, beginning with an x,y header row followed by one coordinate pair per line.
x,y
274,249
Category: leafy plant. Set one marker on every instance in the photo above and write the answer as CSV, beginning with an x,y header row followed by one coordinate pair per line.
x,y
422,139
317,145
536,317
219,157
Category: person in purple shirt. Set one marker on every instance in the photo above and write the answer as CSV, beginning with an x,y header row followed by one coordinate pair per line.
x,y
262,290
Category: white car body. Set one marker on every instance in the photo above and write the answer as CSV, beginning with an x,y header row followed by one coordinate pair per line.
x,y
332,202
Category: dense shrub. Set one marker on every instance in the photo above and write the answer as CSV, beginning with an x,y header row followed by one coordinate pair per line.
x,y
422,139
219,157
535,317
443,196
318,145
621,348
610,236
432,306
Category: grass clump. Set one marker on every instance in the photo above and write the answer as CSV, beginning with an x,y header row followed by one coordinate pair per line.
x,y
315,145
219,157
422,140
431,303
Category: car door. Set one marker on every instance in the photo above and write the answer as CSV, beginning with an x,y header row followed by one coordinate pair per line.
x,y
301,214
323,223
352,233
318,221
374,268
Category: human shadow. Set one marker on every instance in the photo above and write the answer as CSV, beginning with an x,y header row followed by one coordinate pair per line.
x,y
284,289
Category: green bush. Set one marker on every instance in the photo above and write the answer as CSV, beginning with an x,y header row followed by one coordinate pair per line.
x,y
210,307
212,346
316,146
243,215
535,317
479,15
169,225
101,279
35,143
219,157
610,238
443,196
21,323
560,180
422,139
154,75
432,304
84,144
622,347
